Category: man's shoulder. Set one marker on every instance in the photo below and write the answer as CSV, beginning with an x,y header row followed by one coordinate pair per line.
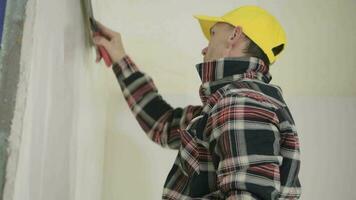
x,y
249,91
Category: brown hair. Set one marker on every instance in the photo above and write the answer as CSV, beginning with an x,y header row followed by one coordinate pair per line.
x,y
252,49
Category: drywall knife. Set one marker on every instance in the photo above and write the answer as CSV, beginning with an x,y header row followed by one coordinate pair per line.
x,y
96,31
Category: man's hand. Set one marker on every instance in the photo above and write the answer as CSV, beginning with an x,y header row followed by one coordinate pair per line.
x,y
111,41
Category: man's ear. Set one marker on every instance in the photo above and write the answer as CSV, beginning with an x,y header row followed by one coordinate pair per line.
x,y
236,35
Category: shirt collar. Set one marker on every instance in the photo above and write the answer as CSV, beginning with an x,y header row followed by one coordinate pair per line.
x,y
217,73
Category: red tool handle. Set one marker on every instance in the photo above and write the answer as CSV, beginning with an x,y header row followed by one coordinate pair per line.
x,y
104,54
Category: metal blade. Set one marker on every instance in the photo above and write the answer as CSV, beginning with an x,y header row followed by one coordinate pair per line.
x,y
90,12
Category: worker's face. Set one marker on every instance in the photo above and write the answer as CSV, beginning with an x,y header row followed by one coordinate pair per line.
x,y
219,41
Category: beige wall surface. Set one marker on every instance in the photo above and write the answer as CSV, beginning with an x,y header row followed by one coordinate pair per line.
x,y
316,73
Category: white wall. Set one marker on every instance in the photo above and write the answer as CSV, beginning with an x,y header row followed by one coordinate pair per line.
x,y
58,133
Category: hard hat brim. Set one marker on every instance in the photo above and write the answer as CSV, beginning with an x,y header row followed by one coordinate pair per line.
x,y
206,22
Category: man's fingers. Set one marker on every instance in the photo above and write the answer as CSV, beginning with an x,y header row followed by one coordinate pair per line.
x,y
102,41
105,30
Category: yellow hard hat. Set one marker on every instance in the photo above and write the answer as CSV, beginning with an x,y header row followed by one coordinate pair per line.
x,y
258,24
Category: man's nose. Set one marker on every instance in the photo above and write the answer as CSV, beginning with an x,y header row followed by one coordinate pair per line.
x,y
203,52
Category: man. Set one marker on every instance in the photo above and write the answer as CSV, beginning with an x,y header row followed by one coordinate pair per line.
x,y
241,143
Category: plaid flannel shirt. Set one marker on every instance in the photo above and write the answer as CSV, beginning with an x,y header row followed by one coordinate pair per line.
x,y
241,143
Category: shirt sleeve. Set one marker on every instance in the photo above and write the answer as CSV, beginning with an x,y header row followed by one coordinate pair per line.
x,y
159,120
246,142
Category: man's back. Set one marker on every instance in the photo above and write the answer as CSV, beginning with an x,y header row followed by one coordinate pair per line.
x,y
266,106
247,146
